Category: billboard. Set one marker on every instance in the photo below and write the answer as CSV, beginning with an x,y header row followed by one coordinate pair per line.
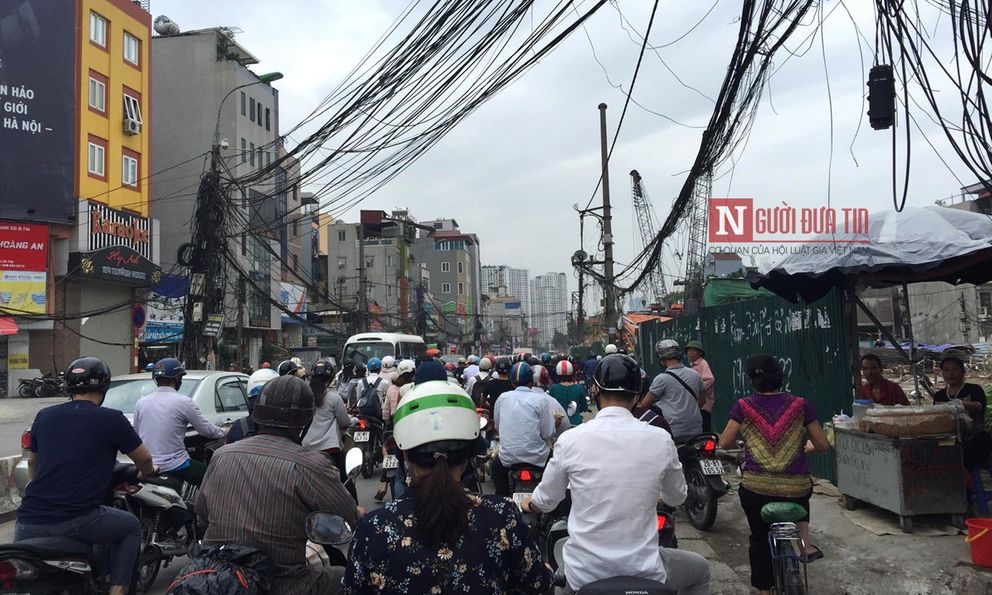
x,y
37,109
294,298
23,268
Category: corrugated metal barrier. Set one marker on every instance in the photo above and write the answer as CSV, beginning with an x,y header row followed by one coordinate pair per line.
x,y
810,340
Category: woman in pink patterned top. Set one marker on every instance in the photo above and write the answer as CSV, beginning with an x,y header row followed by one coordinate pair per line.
x,y
779,429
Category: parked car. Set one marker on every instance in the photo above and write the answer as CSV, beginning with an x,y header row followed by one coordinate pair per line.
x,y
221,396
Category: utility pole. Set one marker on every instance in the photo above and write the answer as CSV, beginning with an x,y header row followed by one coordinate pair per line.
x,y
363,296
609,288
580,315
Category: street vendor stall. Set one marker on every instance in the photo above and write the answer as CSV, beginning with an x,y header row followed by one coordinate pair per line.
x,y
907,460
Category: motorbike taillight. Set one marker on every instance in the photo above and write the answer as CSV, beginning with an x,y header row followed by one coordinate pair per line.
x,y
526,475
362,424
662,521
12,570
26,439
709,447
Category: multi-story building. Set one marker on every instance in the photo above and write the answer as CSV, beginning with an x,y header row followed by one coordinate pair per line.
x,y
503,280
74,183
452,257
508,291
203,84
549,306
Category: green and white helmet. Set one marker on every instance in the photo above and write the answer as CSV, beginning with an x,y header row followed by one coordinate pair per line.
x,y
435,412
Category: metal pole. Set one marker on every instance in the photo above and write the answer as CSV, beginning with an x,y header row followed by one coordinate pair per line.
x,y
913,355
363,296
609,289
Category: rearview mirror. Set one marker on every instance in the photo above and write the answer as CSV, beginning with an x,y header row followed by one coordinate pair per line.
x,y
483,422
571,408
328,529
353,461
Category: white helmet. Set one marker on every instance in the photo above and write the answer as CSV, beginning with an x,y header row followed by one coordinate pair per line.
x,y
435,411
486,364
258,379
472,359
406,366
611,348
388,361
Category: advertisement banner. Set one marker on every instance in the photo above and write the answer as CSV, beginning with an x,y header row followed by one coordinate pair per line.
x,y
38,109
17,352
23,292
23,246
119,263
294,298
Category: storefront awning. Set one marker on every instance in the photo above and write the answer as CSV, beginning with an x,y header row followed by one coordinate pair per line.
x,y
7,326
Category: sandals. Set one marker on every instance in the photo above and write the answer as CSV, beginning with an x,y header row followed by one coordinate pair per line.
x,y
381,495
813,556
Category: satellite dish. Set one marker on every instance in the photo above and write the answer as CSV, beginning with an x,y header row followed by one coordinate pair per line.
x,y
165,26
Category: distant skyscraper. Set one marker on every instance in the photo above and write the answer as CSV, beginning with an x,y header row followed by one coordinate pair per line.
x,y
502,280
549,305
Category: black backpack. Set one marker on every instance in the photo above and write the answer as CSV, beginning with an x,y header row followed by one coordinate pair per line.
x,y
369,404
223,570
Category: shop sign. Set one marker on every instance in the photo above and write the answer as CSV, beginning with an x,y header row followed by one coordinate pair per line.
x,y
162,332
109,227
17,352
23,268
117,263
214,326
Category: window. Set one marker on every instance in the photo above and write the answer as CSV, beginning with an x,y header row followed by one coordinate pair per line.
x,y
132,49
446,288
445,267
251,109
342,235
129,169
461,268
296,263
98,93
268,158
244,104
268,119
342,263
98,30
296,228
427,285
260,156
260,123
389,260
389,291
132,105
96,157
251,153
230,396
244,143
461,288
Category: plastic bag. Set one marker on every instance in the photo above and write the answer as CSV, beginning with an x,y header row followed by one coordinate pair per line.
x,y
223,570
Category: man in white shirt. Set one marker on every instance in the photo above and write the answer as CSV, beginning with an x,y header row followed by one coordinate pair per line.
x,y
525,424
161,418
472,370
617,469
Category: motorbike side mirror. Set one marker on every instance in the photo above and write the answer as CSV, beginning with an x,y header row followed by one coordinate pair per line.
x,y
483,422
353,461
571,408
326,528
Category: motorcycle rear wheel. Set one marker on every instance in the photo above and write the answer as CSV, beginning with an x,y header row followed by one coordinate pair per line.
x,y
700,505
368,461
25,390
149,560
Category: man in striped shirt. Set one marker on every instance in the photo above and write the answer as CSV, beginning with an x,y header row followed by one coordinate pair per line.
x,y
259,491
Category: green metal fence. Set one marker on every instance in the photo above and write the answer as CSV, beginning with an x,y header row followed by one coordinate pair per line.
x,y
810,340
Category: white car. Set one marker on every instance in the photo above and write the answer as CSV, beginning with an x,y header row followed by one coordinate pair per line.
x,y
221,396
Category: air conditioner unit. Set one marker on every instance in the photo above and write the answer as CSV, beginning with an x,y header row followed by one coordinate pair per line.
x,y
131,126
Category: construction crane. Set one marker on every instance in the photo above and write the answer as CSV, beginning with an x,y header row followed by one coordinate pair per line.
x,y
654,283
697,243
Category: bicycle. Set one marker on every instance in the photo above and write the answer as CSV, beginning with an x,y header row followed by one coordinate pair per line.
x,y
787,548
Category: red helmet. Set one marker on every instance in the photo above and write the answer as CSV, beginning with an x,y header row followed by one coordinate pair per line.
x,y
450,366
433,352
565,369
541,376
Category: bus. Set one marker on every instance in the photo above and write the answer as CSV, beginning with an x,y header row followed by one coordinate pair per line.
x,y
364,346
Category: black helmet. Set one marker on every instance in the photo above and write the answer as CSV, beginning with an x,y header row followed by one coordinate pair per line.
x,y
617,372
322,367
169,367
286,402
288,367
87,374
503,366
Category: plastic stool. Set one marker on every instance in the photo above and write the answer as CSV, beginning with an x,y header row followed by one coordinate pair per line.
x,y
980,497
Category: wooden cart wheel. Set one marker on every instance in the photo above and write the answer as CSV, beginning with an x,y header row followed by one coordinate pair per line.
x,y
850,503
906,522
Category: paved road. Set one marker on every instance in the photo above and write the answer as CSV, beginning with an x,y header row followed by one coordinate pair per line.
x,y
16,414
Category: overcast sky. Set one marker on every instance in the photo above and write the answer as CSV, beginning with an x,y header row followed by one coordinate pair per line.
x,y
512,170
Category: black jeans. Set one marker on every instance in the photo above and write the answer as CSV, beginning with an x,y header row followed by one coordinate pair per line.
x,y
759,552
707,421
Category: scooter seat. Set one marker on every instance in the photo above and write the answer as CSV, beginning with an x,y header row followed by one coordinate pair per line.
x,y
165,481
48,547
625,584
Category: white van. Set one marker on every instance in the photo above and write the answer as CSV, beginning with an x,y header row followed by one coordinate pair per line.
x,y
363,347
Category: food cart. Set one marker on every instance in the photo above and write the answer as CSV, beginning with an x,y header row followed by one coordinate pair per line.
x,y
906,460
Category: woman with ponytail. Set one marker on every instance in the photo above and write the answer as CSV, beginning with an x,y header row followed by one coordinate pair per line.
x,y
438,538
330,419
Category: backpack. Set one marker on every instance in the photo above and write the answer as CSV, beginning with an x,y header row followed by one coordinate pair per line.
x,y
223,570
369,403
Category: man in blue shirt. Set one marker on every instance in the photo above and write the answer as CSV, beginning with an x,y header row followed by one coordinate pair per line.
x,y
525,424
74,449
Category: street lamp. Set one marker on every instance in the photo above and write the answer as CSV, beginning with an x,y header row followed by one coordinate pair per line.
x,y
269,77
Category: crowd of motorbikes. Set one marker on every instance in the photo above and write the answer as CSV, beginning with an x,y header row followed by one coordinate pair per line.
x,y
50,385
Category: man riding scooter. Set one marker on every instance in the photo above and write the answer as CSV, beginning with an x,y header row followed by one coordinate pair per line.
x,y
617,468
524,422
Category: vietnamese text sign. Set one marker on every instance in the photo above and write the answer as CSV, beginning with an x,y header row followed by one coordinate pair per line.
x,y
23,247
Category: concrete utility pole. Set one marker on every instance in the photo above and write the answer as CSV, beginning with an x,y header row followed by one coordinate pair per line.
x,y
363,295
609,289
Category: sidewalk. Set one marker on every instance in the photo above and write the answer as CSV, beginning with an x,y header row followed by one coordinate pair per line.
x,y
856,560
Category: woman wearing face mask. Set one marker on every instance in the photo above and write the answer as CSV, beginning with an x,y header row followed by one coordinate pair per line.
x,y
437,538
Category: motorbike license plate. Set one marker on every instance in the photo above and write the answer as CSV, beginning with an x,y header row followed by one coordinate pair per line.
x,y
518,498
390,462
361,437
711,467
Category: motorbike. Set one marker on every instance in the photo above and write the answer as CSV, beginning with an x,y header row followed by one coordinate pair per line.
x,y
704,479
368,436
618,584
390,463
44,565
45,386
